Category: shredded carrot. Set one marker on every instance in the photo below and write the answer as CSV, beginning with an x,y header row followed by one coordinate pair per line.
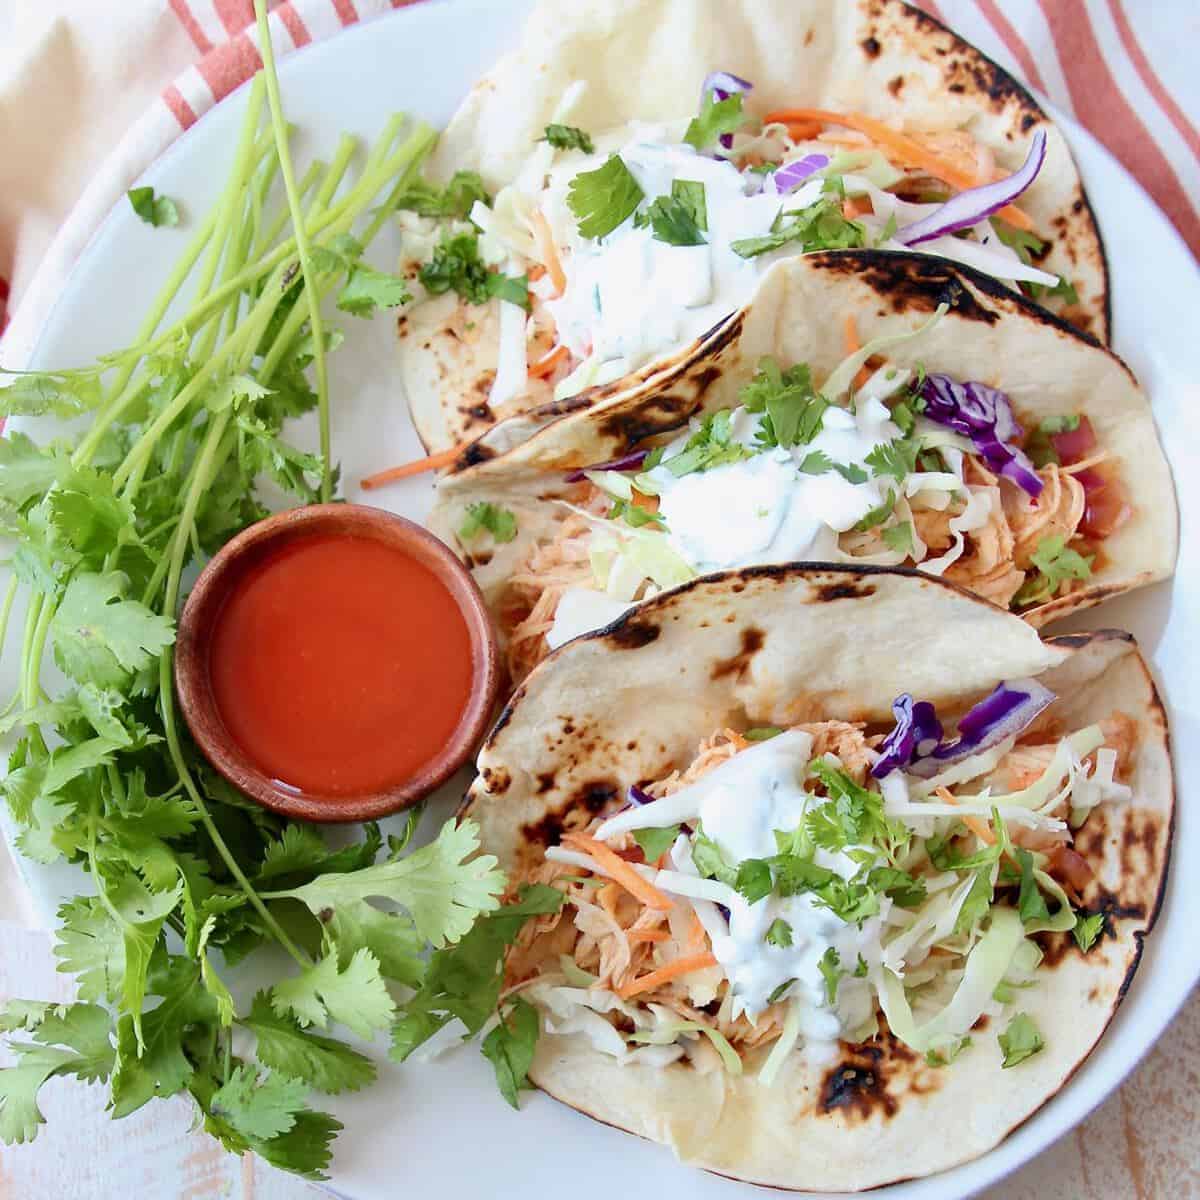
x,y
434,462
620,871
673,970
647,935
979,828
850,335
856,206
645,503
800,121
548,363
544,240
697,934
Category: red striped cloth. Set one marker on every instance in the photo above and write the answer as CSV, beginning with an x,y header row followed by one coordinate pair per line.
x,y
1123,68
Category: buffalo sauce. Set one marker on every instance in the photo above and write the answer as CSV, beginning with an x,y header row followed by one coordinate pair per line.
x,y
339,664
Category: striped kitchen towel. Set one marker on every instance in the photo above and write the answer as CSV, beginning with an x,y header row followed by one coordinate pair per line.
x,y
1123,68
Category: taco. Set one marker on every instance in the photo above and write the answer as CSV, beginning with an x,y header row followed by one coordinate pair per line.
x,y
856,868
970,434
641,163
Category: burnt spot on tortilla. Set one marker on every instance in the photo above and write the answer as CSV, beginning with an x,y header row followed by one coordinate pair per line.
x,y
545,782
1028,121
981,1025
577,811
871,47
896,85
473,455
496,779
649,416
737,666
844,590
808,37
633,634
872,1078
1057,946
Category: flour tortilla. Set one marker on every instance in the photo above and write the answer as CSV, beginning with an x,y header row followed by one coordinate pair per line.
x,y
774,646
646,59
989,334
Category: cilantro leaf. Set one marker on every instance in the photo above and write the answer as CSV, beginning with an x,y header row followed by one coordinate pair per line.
x,y
368,289
945,1056
779,933
1056,564
780,991
510,1046
712,445
897,459
903,889
456,266
709,860
851,472
899,537
328,1065
1088,928
603,198
1021,1040
1030,903
679,219
820,227
27,469
567,137
715,119
101,638
878,514
153,209
656,842
484,516
19,1087
259,1107
63,394
91,948
815,462
832,972
455,200
978,901
753,879
463,981
793,407
357,996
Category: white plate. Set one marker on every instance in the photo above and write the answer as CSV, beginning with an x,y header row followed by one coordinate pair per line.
x,y
442,1128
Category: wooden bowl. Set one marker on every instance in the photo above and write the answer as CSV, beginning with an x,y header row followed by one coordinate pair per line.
x,y
193,683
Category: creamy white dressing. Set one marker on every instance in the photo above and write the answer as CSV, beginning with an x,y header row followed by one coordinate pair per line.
x,y
740,805
630,297
764,509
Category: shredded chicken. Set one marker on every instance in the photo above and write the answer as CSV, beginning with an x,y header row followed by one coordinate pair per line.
x,y
845,740
1057,510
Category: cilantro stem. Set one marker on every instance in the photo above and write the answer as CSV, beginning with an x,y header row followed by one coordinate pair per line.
x,y
33,665
267,240
10,594
302,246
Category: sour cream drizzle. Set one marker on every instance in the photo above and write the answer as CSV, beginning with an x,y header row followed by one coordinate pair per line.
x,y
740,805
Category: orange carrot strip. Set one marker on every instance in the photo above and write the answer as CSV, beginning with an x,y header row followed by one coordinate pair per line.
x,y
548,252
979,828
647,935
620,871
911,152
697,934
547,363
645,503
856,206
673,970
850,336
434,462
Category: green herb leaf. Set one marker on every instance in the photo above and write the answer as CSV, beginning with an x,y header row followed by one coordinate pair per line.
x,y
831,972
455,200
820,227
815,462
716,118
1031,903
603,198
367,290
357,996
1021,1040
762,733
878,514
1056,564
510,1046
259,1107
851,472
945,1056
655,842
779,933
753,880
977,902
793,409
153,209
485,517
899,537
712,445
568,137
456,266
1088,929
896,459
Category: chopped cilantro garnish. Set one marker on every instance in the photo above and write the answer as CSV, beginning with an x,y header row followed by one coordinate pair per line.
x,y
944,1057
762,733
878,514
831,972
680,218
860,970
978,901
896,459
153,209
902,416
1021,1040
888,231
815,462
1087,929
567,137
793,408
1056,563
485,516
780,991
603,198
899,537
655,842
945,858
754,880
709,861
903,889
633,516
1030,903
510,1046
851,472
456,266
455,200
820,227
711,445
716,118
779,933
1026,244
1064,289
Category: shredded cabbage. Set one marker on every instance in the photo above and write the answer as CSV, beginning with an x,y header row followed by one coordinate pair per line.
x,y
667,1033
783,1047
843,375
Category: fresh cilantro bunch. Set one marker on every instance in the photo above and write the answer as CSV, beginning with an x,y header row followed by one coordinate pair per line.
x,y
457,267
821,226
1056,563
188,877
792,408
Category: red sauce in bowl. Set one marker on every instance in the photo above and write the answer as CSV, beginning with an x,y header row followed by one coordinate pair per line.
x,y
339,664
